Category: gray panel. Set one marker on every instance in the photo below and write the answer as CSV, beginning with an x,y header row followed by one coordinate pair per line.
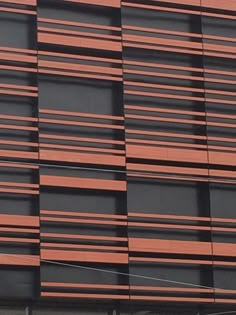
x,y
167,197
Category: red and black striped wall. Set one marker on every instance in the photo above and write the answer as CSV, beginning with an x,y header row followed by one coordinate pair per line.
x,y
118,151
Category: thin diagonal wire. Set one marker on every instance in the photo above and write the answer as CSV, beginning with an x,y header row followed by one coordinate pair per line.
x,y
115,272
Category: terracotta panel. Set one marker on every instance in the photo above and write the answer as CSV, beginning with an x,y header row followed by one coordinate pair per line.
x,y
80,75
166,119
19,220
171,289
169,226
81,57
24,2
79,67
160,31
18,87
79,42
216,4
66,246
84,256
224,249
183,11
16,184
171,299
171,261
82,139
19,230
111,152
19,240
17,93
167,169
85,237
82,221
83,214
19,191
17,57
17,165
84,285
18,154
80,123
18,11
86,295
222,158
109,3
178,76
78,33
168,217
20,260
170,134
79,114
60,181
175,177
159,8
168,154
78,24
170,144
101,159
161,41
169,246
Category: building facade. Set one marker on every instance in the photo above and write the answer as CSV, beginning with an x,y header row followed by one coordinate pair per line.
x,y
117,157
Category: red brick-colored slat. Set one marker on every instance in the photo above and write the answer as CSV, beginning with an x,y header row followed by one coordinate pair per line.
x,y
79,67
79,42
82,221
23,2
168,217
170,226
167,169
78,114
85,295
73,56
84,214
78,33
17,184
20,260
80,148
84,285
18,240
61,255
80,123
170,246
78,24
224,249
167,154
82,139
171,299
100,159
90,183
87,247
19,154
19,230
17,165
80,75
85,237
19,220
222,158
20,11
171,289
108,3
216,4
